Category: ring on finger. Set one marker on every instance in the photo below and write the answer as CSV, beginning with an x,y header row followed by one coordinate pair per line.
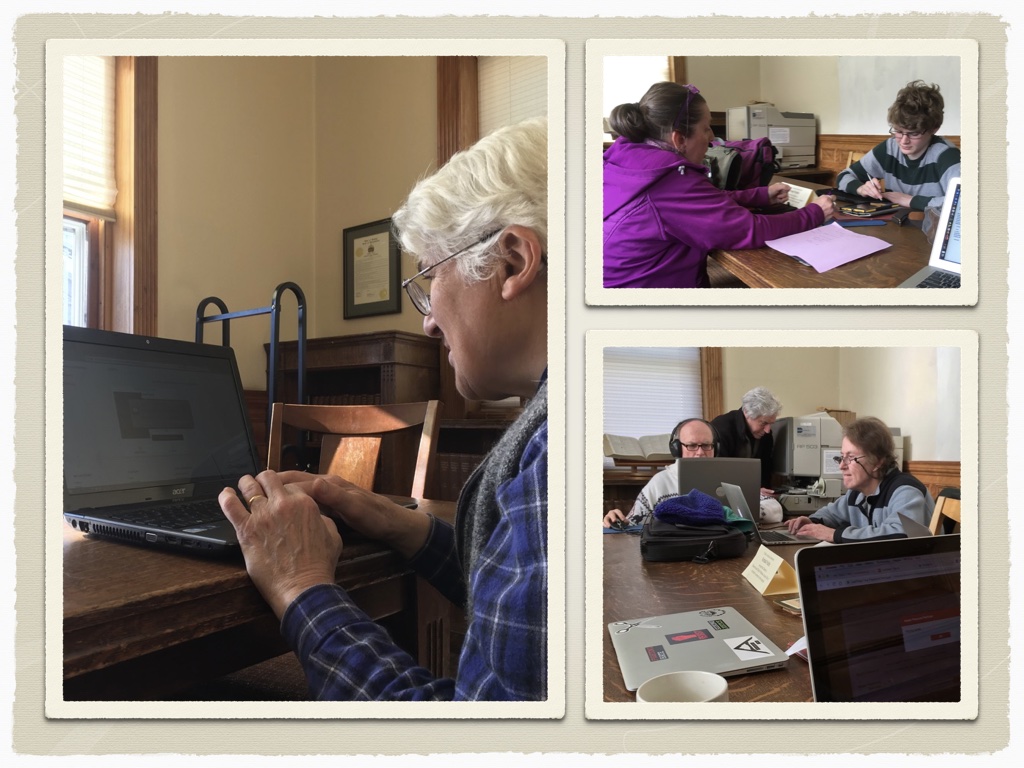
x,y
257,496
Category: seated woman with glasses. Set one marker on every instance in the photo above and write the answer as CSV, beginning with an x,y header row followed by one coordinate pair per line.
x,y
662,213
478,228
877,491
913,167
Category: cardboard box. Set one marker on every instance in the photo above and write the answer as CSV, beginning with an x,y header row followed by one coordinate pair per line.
x,y
843,417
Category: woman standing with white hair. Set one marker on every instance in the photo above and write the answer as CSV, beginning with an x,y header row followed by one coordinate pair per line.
x,y
746,433
478,228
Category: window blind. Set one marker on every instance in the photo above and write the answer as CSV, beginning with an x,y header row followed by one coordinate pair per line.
x,y
89,185
648,390
511,89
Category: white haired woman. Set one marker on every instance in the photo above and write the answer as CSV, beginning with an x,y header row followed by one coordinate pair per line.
x,y
746,433
478,228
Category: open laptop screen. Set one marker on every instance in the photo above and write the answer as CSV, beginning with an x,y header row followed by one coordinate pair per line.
x,y
882,619
949,245
146,419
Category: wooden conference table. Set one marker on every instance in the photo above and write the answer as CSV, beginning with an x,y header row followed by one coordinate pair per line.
x,y
767,268
141,623
635,588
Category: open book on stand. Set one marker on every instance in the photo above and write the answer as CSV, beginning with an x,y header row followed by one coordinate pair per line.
x,y
646,450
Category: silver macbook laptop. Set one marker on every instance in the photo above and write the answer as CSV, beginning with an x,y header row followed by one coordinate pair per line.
x,y
943,270
716,640
771,538
707,474
882,619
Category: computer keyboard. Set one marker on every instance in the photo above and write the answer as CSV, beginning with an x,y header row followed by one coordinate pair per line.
x,y
940,280
173,516
767,536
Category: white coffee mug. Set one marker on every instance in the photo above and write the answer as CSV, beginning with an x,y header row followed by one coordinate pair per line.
x,y
689,685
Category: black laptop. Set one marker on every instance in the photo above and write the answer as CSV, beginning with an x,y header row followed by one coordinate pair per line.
x,y
154,429
882,619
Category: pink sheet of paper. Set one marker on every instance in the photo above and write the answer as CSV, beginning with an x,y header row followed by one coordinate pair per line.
x,y
825,248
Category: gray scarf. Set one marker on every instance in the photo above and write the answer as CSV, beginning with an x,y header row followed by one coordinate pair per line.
x,y
477,513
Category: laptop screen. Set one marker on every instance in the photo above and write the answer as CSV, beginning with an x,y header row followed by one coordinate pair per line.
x,y
882,619
148,419
948,238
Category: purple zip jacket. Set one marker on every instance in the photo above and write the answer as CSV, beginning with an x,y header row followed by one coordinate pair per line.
x,y
662,215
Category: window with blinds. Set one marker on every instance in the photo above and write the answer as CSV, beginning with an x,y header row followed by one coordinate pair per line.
x,y
89,185
511,89
648,390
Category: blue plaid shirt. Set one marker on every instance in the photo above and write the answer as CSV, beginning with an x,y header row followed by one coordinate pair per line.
x,y
347,656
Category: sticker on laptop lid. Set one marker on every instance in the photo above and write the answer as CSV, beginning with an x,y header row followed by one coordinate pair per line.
x,y
688,636
656,653
747,647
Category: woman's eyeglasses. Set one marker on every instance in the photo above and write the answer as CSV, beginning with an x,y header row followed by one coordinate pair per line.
x,y
419,297
840,460
691,91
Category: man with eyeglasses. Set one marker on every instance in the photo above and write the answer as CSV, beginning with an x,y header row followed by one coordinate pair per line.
x,y
478,228
691,439
877,492
913,167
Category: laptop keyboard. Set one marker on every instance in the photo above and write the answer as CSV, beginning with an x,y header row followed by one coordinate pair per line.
x,y
940,280
185,514
767,536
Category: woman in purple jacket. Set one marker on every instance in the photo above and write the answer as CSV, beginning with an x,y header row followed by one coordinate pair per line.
x,y
662,213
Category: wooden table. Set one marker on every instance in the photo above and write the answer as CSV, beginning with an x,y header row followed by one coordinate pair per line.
x,y
140,623
635,588
768,268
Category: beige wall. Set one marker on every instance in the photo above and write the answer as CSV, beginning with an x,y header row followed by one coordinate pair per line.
x,y
376,136
235,195
805,84
914,388
727,81
263,161
801,378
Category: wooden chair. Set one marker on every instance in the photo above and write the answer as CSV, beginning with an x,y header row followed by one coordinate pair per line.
x,y
351,437
947,507
852,157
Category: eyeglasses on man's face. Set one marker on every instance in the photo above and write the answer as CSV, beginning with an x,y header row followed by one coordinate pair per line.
x,y
847,459
908,134
695,447
417,295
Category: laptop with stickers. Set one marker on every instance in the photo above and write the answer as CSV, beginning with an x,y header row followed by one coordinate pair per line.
x,y
715,640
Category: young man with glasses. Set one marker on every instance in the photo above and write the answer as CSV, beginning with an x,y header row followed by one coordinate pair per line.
x,y
877,491
691,439
913,167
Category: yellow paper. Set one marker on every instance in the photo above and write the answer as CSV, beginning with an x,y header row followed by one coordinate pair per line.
x,y
770,574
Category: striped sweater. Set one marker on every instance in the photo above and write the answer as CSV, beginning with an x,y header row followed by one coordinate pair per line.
x,y
925,179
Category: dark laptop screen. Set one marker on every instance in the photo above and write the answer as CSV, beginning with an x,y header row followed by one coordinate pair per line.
x,y
883,620
148,419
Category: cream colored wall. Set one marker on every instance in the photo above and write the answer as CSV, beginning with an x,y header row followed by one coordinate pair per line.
x,y
804,84
235,194
914,388
801,378
263,161
726,81
376,136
